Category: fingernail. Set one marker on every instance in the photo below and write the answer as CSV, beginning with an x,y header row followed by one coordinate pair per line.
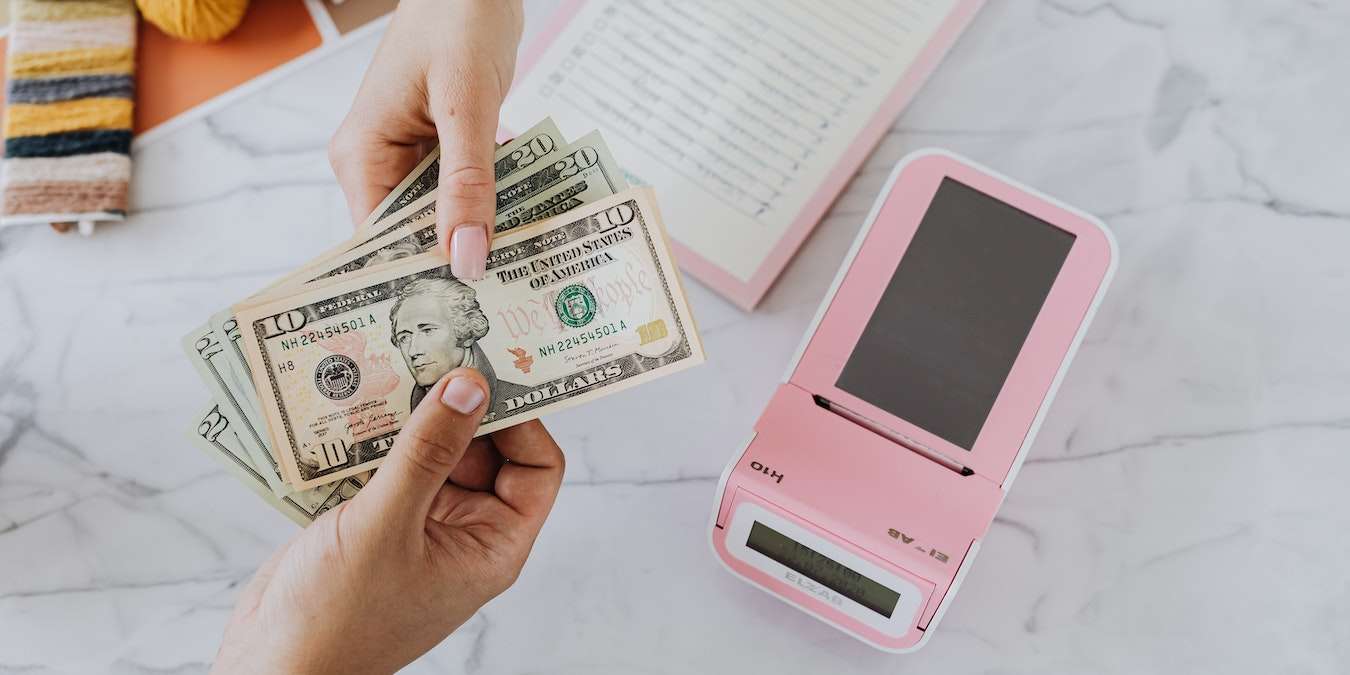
x,y
468,252
462,395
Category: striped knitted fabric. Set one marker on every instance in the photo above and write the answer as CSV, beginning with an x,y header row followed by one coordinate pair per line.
x,y
68,111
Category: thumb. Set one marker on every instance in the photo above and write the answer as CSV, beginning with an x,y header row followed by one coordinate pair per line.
x,y
466,193
428,447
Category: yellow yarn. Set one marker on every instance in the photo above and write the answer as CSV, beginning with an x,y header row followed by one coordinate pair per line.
x,y
194,20
66,11
72,62
81,114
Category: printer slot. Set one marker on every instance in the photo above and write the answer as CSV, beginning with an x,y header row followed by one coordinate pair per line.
x,y
894,436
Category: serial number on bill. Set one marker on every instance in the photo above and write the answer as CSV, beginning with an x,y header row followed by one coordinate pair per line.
x,y
329,331
583,338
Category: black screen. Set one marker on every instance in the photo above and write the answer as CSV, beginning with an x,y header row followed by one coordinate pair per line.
x,y
822,569
954,316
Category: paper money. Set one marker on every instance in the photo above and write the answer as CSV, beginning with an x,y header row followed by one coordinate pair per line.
x,y
584,172
228,372
208,355
537,143
571,309
417,196
412,230
314,375
241,389
417,234
227,333
578,174
217,434
574,176
520,153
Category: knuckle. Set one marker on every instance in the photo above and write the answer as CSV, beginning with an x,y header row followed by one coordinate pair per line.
x,y
427,453
501,563
469,182
507,580
504,576
341,150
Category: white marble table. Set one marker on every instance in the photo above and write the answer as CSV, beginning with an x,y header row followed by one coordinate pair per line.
x,y
1184,509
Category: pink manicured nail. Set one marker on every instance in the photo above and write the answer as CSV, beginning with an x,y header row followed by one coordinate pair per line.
x,y
462,395
468,252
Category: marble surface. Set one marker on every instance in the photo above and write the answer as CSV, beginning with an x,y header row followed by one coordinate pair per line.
x,y
1183,509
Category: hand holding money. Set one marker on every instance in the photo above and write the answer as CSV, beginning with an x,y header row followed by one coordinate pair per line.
x,y
436,80
442,529
582,305
315,376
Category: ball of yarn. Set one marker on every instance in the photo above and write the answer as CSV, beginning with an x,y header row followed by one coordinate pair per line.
x,y
194,20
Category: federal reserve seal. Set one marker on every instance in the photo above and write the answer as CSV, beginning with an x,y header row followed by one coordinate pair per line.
x,y
575,305
337,377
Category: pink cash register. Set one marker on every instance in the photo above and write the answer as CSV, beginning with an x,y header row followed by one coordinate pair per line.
x,y
880,461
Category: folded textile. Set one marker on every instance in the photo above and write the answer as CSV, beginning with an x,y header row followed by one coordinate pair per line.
x,y
68,111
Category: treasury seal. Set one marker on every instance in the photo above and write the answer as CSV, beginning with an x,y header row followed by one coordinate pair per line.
x,y
337,377
575,305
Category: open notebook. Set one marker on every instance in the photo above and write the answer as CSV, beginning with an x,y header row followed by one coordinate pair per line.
x,y
748,116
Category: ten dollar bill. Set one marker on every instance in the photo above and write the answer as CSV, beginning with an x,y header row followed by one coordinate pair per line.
x,y
571,309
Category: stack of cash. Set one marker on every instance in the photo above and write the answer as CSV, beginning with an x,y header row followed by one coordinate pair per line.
x,y
312,377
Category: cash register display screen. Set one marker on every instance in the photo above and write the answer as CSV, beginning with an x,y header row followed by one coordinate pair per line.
x,y
954,316
822,569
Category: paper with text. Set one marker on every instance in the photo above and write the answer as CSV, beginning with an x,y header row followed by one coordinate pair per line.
x,y
736,111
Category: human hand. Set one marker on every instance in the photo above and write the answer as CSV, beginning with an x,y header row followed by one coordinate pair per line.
x,y
440,73
443,527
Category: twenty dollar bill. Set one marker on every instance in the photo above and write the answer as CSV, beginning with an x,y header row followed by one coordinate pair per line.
x,y
216,432
536,144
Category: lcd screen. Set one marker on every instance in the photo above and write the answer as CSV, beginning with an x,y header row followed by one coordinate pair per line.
x,y
956,312
822,569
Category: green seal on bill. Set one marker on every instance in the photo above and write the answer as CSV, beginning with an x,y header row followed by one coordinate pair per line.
x,y
575,305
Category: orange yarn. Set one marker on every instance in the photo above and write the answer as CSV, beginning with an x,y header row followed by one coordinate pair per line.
x,y
194,20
